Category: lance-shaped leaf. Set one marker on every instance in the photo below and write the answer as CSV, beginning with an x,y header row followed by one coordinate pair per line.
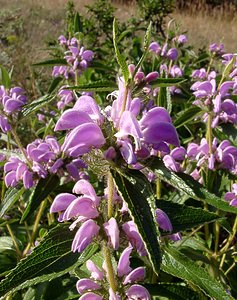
x,y
10,198
174,291
188,185
97,86
51,63
52,258
77,23
44,187
36,105
185,217
164,99
135,190
166,82
187,115
146,43
4,77
227,132
119,56
159,82
54,84
177,264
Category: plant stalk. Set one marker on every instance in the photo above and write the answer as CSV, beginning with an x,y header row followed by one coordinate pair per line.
x,y
36,224
109,268
110,185
18,251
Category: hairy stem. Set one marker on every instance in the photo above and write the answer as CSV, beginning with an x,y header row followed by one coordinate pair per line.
x,y
109,268
124,101
36,224
18,251
209,133
229,241
110,185
19,144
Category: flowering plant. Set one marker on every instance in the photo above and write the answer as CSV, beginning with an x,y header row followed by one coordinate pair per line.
x,y
129,192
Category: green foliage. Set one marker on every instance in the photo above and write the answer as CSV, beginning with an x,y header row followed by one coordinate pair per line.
x,y
156,11
51,259
141,206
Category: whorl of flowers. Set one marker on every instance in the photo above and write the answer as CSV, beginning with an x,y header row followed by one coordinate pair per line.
x,y
11,102
76,56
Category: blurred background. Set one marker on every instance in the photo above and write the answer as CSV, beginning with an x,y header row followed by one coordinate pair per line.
x,y
27,27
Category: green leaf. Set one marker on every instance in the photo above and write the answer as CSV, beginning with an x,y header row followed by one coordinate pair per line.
x,y
55,82
100,66
10,198
51,63
8,255
36,105
97,86
147,38
226,132
44,187
174,291
52,258
136,191
77,23
160,82
146,44
4,77
119,56
164,99
187,115
12,153
177,264
166,82
188,185
185,217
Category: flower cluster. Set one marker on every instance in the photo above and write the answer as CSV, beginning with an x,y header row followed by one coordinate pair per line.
x,y
222,156
170,54
42,157
87,210
10,102
125,275
76,56
232,196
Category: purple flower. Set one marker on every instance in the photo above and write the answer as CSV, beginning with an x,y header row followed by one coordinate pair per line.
x,y
96,273
66,96
129,126
16,170
232,196
112,231
90,296
182,39
72,118
161,132
137,291
124,262
81,207
152,76
4,125
14,100
89,106
163,220
134,237
172,54
137,274
86,284
82,138
86,189
61,202
85,235
155,47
